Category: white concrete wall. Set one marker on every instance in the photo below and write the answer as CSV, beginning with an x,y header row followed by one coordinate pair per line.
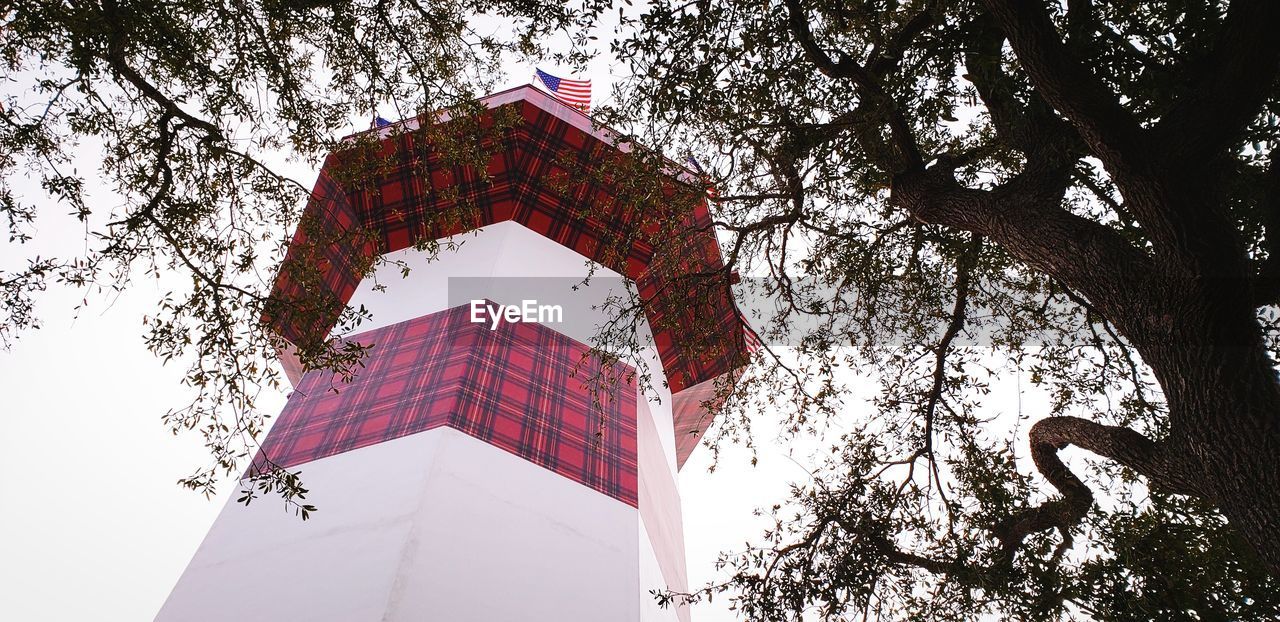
x,y
433,526
660,516
524,264
508,250
440,524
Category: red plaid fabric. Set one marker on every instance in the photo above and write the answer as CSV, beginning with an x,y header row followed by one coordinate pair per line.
x,y
321,268
523,387
414,196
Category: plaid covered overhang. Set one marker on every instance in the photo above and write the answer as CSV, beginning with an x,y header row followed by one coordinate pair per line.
x,y
543,171
523,387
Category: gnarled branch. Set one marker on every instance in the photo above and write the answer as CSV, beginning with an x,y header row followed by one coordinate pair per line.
x,y
875,99
1048,436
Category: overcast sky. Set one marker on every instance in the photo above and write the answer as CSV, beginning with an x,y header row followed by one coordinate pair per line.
x,y
92,523
94,527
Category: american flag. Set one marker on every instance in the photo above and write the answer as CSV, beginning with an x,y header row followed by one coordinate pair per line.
x,y
379,122
576,93
750,338
693,164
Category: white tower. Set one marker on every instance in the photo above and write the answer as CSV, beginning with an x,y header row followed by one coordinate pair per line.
x,y
470,471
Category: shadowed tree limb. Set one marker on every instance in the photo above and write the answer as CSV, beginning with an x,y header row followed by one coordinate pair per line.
x,y
1227,90
1164,174
1050,435
1266,289
906,153
1068,86
1025,127
1090,257
964,282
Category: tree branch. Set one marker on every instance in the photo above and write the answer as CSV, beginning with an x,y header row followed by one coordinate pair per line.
x,y
875,99
1118,443
1066,84
1090,257
884,61
1228,89
1195,238
1266,288
1030,128
964,276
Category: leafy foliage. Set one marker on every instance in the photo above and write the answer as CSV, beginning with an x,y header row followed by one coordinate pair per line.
x,y
934,196
849,143
190,104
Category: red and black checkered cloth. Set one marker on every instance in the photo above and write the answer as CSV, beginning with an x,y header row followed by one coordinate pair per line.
x,y
413,196
523,387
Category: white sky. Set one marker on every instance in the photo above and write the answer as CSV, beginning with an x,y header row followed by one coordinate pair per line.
x,y
92,523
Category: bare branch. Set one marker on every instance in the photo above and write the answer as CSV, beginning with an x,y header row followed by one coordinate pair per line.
x,y
964,277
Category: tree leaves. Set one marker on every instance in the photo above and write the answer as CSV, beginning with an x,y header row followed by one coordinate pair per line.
x,y
194,107
810,111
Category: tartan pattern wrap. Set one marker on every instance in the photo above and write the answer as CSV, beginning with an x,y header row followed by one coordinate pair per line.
x,y
413,196
524,388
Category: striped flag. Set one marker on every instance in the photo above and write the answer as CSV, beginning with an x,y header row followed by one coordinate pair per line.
x,y
695,165
750,338
576,93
